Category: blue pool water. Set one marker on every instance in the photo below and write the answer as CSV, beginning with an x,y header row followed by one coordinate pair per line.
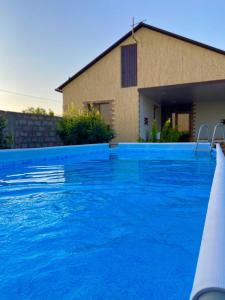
x,y
118,225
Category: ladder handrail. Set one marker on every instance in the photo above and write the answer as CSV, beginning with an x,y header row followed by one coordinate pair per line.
x,y
199,134
218,125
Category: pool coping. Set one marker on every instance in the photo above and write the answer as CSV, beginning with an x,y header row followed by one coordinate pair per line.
x,y
209,281
13,157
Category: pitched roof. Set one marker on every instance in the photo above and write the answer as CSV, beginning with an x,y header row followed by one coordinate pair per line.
x,y
140,25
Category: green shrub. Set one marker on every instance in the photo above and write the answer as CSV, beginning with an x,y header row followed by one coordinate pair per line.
x,y
84,127
5,141
141,140
38,111
2,127
169,134
154,132
150,135
184,136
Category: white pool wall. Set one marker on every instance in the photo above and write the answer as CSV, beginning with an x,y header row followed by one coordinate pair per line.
x,y
209,282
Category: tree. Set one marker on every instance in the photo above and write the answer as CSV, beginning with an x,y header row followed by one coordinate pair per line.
x,y
38,111
169,134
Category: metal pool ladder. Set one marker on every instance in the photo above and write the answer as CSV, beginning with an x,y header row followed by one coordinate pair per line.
x,y
199,140
214,140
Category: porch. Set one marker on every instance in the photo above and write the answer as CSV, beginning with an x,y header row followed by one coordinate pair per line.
x,y
186,105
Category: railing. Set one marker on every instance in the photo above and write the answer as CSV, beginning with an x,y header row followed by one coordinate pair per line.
x,y
203,126
214,140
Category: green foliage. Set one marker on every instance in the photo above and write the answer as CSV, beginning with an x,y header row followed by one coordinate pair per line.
x,y
150,135
169,134
84,127
154,132
9,140
2,127
184,136
5,141
51,112
141,140
38,111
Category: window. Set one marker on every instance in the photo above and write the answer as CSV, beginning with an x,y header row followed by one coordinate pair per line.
x,y
105,109
181,121
129,65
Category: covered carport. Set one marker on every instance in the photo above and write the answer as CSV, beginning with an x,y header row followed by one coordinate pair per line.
x,y
187,105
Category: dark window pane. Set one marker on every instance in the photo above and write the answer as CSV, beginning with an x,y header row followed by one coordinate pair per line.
x,y
129,65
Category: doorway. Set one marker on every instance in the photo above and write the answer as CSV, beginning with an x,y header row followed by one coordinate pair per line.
x,y
180,116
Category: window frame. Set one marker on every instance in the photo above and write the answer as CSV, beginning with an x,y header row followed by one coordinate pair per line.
x,y
111,108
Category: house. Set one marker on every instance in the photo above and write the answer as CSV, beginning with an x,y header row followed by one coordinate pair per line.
x,y
152,74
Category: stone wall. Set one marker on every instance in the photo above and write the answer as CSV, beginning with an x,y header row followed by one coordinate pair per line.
x,y
31,131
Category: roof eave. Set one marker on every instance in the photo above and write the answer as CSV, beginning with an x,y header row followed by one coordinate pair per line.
x,y
117,43
185,39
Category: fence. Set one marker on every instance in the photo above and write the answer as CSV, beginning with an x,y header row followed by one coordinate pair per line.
x,y
31,131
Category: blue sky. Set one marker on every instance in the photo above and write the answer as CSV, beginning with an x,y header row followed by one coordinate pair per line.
x,y
43,42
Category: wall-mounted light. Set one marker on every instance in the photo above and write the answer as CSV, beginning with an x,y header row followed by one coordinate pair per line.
x,y
145,121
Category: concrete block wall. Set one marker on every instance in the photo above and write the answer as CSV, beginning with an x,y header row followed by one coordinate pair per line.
x,y
31,131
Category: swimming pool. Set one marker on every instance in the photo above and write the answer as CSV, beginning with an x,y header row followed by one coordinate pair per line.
x,y
100,223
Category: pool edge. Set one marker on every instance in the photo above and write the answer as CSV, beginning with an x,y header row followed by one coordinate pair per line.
x,y
209,280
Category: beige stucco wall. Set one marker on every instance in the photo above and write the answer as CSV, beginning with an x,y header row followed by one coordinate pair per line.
x,y
102,82
162,60
146,110
210,112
